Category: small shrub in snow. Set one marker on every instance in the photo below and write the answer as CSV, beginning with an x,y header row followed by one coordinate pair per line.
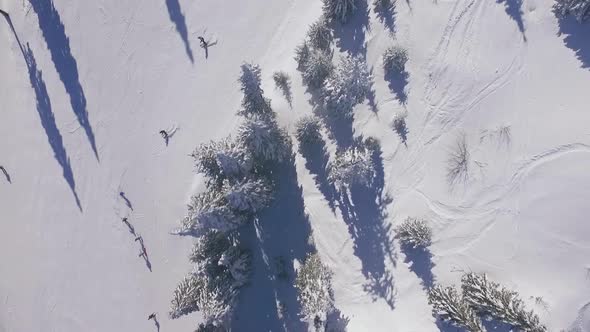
x,y
458,162
313,283
302,54
320,34
414,232
222,160
580,9
248,196
489,298
352,166
264,139
283,82
339,10
253,102
317,68
450,306
307,130
395,58
349,85
399,125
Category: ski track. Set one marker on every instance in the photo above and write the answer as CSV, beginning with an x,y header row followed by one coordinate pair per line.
x,y
489,209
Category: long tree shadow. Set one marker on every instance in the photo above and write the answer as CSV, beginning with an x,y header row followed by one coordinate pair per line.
x,y
421,263
177,17
316,161
397,81
385,10
340,129
514,10
350,36
59,46
281,233
48,120
363,210
577,36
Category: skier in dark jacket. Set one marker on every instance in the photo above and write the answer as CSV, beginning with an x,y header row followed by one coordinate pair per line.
x,y
203,42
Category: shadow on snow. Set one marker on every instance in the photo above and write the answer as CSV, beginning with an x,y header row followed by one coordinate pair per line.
x,y
363,211
316,161
514,10
59,46
48,121
397,84
277,238
350,36
576,38
421,264
386,15
177,17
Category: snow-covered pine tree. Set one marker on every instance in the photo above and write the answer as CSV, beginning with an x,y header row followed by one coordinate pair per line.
x,y
489,298
264,139
348,86
185,296
210,211
238,263
302,53
253,102
210,328
319,34
216,304
352,166
394,59
248,196
307,130
317,68
450,306
580,9
225,159
314,286
339,10
414,232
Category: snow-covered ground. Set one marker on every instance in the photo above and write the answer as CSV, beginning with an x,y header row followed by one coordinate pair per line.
x,y
92,82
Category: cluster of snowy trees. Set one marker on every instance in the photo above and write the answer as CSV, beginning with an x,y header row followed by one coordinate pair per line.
x,y
339,10
238,187
482,298
580,9
314,287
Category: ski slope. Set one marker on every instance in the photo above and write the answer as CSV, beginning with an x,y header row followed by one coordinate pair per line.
x,y
86,86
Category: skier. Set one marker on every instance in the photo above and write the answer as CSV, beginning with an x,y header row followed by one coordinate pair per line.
x,y
152,316
203,42
139,239
124,219
4,13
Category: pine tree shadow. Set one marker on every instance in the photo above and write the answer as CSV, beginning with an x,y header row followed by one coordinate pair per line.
x,y
316,161
350,36
400,127
48,120
421,263
336,322
363,210
340,129
514,10
59,46
576,38
386,14
270,302
177,17
493,325
397,81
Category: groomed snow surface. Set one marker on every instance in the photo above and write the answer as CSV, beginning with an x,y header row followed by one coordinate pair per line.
x,y
88,85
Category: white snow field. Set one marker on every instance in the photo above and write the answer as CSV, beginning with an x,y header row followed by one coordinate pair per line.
x,y
85,93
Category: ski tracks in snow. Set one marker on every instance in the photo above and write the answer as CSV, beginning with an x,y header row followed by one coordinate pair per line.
x,y
459,77
495,200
